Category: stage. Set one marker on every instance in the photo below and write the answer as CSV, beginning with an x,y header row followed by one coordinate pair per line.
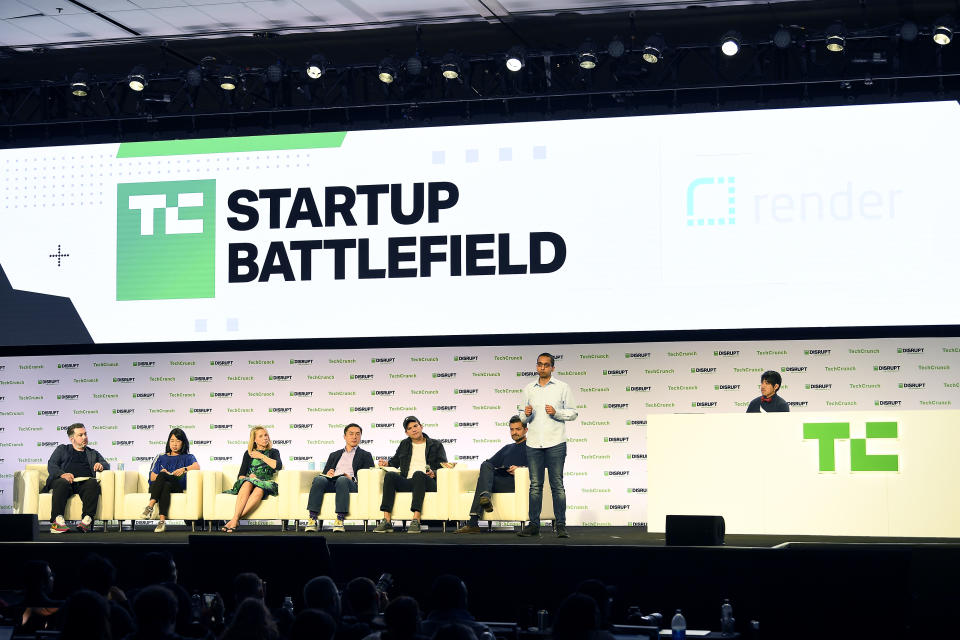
x,y
796,586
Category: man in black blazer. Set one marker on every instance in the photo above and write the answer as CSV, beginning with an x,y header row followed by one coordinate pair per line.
x,y
72,469
340,475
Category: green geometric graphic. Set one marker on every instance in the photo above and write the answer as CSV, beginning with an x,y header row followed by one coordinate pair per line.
x,y
166,234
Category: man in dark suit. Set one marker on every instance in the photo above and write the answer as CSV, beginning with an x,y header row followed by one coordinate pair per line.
x,y
72,469
340,475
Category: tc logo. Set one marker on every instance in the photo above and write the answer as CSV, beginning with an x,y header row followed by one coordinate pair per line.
x,y
712,201
165,240
828,432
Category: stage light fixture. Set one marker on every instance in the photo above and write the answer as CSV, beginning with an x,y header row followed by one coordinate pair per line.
x,y
450,66
516,58
137,78
194,77
316,66
730,43
782,39
79,84
587,55
943,31
274,73
229,77
387,71
653,49
909,31
414,65
836,37
616,48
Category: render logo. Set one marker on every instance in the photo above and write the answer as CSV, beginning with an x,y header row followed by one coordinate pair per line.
x,y
165,240
712,201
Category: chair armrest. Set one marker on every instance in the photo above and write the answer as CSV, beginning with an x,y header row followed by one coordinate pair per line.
x,y
194,492
465,479
370,484
26,491
212,485
108,491
127,482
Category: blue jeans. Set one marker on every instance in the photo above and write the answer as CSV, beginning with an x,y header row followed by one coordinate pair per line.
x,y
552,458
343,485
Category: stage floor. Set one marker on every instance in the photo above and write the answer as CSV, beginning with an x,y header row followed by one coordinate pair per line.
x,y
579,536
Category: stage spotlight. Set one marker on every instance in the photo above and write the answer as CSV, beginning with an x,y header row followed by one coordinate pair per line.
x,y
229,77
587,55
79,84
909,31
516,58
387,71
450,66
943,31
414,65
274,73
616,48
782,38
316,66
137,78
730,43
653,49
836,37
194,77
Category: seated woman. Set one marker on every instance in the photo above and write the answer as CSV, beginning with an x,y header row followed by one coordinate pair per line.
x,y
255,482
169,476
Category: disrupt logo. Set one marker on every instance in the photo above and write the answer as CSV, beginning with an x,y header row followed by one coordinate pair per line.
x,y
792,369
468,457
617,439
220,458
381,360
726,387
221,363
446,374
202,442
292,361
444,407
616,473
616,507
616,405
124,443
381,425
48,413
48,381
703,369
912,385
798,403
827,433
201,410
124,380
466,392
615,372
144,363
887,403
447,440
645,354
142,427
301,394
67,396
726,354
302,425
637,490
361,376
221,426
123,411
361,409
816,352
68,365
141,458
221,394
280,378
165,240
201,378
886,367
382,392
466,425
819,387
636,423
465,358
703,404
144,395
909,349
640,389
47,444
712,201
283,442
279,409
300,458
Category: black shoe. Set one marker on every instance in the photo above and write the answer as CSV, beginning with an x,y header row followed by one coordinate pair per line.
x,y
561,531
485,503
529,531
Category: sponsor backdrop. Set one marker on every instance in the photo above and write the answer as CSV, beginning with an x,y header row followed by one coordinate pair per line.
x,y
620,224
464,397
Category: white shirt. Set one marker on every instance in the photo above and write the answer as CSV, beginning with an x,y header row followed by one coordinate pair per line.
x,y
546,430
418,459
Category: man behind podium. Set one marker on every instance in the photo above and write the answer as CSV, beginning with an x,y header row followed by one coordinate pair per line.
x,y
769,401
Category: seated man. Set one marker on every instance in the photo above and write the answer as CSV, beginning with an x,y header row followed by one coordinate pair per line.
x,y
496,474
417,457
340,475
769,401
72,468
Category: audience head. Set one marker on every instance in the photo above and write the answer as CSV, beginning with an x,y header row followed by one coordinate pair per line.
x,y
313,624
155,609
448,592
98,574
252,621
38,577
454,632
159,567
362,597
402,618
247,585
86,616
321,593
601,596
576,618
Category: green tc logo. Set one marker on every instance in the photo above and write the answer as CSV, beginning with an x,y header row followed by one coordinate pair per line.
x,y
165,239
720,193
828,432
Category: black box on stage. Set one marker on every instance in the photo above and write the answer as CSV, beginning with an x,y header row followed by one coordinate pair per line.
x,y
19,527
695,531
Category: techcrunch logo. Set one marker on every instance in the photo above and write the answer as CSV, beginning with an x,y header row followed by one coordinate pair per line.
x,y
656,372
827,433
838,369
425,392
341,393
591,356
166,240
424,359
167,379
511,357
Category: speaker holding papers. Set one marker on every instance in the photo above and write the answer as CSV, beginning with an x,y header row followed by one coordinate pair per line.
x,y
694,531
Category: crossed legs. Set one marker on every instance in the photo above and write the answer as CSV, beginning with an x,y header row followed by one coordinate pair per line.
x,y
248,498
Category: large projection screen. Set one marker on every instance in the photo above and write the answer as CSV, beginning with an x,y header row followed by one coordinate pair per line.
x,y
799,218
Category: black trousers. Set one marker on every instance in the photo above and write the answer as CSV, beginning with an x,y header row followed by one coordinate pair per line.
x,y
160,490
490,481
88,490
420,483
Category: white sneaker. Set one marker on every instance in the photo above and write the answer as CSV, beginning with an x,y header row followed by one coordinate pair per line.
x,y
86,524
161,527
59,525
148,512
338,525
311,526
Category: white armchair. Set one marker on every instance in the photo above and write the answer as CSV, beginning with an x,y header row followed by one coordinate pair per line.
x,y
133,494
28,499
507,507
218,505
298,482
435,504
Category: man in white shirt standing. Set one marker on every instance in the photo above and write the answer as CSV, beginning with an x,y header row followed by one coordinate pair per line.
x,y
548,405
